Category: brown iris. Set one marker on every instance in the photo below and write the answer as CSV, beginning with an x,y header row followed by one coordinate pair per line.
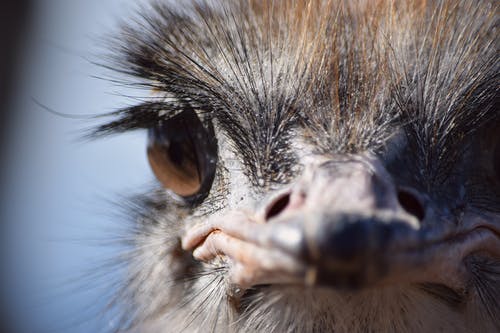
x,y
182,152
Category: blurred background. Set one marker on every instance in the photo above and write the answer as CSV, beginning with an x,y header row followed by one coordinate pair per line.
x,y
56,189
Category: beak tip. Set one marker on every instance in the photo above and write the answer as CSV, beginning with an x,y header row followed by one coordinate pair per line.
x,y
351,250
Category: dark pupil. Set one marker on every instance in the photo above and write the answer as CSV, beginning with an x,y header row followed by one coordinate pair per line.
x,y
175,153
182,153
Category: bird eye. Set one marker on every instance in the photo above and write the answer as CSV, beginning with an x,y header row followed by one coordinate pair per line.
x,y
182,152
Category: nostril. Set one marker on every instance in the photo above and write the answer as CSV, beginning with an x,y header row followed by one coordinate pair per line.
x,y
278,206
411,203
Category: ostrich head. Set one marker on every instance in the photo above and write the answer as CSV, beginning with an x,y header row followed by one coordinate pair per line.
x,y
321,166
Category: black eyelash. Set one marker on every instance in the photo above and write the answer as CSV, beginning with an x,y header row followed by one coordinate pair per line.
x,y
142,116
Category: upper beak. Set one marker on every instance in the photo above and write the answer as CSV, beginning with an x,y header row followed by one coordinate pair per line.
x,y
348,222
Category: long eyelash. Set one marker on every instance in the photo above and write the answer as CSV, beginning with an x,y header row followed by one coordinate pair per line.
x,y
141,116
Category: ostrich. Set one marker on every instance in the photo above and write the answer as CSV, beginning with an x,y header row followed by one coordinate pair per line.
x,y
322,166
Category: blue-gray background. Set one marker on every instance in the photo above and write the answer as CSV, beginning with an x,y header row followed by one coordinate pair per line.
x,y
57,191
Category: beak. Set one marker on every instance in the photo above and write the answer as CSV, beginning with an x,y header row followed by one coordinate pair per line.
x,y
350,221
343,224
